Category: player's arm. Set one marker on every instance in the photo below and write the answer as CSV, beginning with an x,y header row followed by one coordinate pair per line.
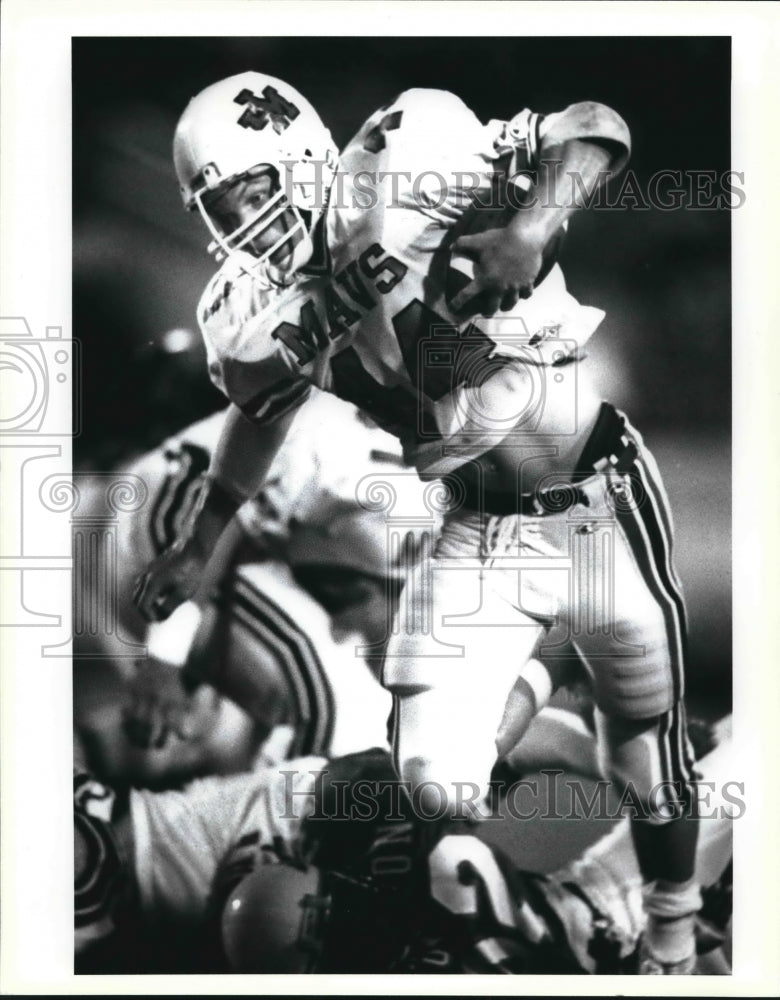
x,y
576,153
238,468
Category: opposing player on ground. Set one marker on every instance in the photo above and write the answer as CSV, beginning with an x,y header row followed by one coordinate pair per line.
x,y
289,870
153,869
361,906
255,658
558,516
264,664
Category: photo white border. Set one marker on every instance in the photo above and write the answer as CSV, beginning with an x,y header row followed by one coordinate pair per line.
x,y
35,282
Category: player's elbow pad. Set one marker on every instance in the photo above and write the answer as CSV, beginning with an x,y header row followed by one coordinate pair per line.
x,y
589,121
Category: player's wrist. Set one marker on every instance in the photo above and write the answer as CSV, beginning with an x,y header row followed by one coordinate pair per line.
x,y
530,230
218,506
534,226
221,499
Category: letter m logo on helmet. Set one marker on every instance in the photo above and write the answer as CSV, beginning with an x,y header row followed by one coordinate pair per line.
x,y
270,107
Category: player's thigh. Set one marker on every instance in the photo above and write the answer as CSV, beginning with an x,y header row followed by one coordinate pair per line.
x,y
457,613
458,628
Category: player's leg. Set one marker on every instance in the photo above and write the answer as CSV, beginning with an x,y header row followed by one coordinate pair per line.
x,y
667,851
637,662
459,643
607,875
456,652
644,757
444,742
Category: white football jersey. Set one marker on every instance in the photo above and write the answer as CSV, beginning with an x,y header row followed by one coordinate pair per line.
x,y
217,827
368,319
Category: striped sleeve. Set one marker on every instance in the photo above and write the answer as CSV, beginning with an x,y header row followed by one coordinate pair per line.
x,y
261,386
311,698
523,134
174,502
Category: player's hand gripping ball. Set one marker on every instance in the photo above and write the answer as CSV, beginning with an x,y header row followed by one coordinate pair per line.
x,y
491,267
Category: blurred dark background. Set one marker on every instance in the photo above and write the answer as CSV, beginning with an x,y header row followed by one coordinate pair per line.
x,y
663,352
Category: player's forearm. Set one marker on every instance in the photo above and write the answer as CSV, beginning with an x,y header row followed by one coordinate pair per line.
x,y
580,149
239,465
245,451
565,177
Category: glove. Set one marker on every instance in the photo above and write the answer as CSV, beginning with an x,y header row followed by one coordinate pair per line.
x,y
170,580
176,575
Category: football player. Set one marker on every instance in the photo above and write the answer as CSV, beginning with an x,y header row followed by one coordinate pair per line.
x,y
358,908
288,869
265,667
416,276
257,657
152,867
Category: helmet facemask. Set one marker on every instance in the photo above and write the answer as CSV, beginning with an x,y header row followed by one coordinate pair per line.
x,y
247,126
293,236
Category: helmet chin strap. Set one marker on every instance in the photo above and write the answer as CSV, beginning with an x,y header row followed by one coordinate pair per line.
x,y
301,254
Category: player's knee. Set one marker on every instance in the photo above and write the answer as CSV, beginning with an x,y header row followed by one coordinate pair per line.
x,y
646,693
530,693
428,785
441,792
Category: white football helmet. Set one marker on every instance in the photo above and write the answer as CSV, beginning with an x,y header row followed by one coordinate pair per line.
x,y
243,123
